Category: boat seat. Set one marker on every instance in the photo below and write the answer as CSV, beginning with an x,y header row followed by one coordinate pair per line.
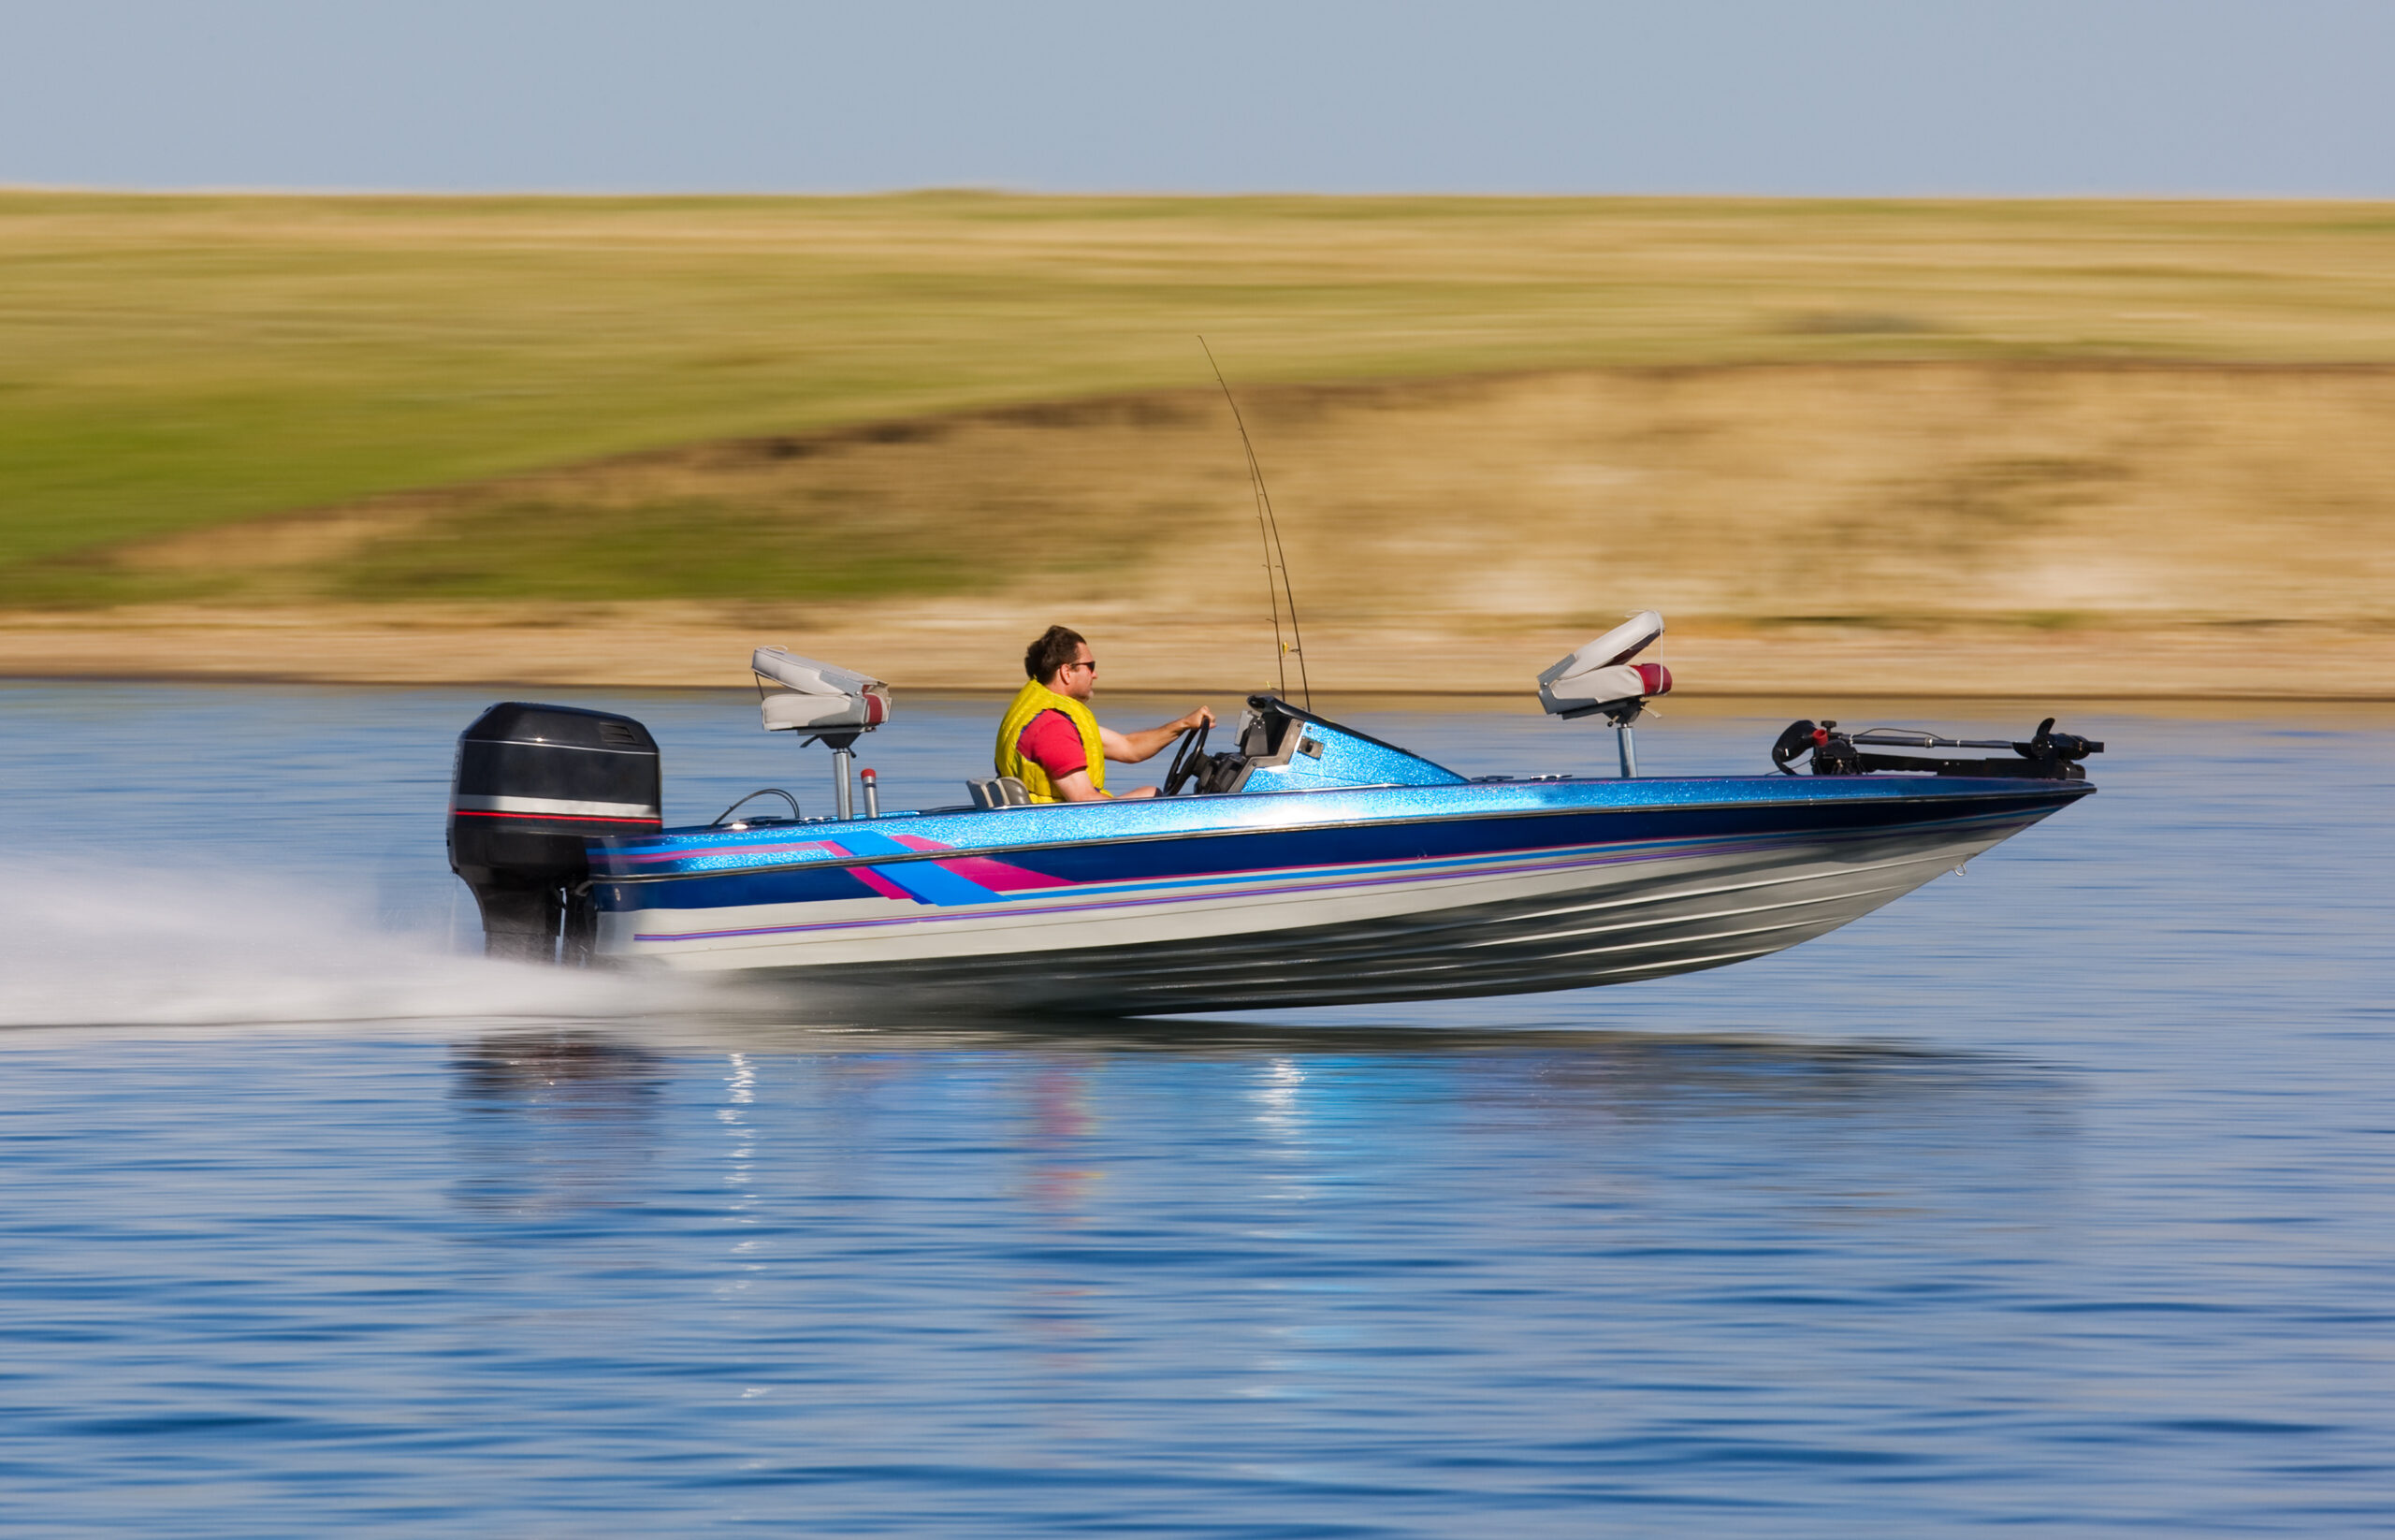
x,y
999,792
816,697
1601,676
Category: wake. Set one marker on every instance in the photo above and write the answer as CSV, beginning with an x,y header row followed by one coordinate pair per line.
x,y
89,948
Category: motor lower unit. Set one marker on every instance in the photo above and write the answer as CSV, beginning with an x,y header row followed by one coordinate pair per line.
x,y
532,783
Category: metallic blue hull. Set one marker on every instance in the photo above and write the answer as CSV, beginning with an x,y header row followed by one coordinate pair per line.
x,y
1312,897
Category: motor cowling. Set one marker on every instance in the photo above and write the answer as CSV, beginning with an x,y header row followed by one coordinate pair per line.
x,y
530,784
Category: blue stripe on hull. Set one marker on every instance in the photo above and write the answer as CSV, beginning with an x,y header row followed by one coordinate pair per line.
x,y
1385,895
1317,879
1647,923
925,881
1217,853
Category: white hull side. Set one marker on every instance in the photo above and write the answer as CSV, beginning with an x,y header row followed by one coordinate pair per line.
x,y
1357,934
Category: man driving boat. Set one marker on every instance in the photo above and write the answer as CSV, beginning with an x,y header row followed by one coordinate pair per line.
x,y
1050,740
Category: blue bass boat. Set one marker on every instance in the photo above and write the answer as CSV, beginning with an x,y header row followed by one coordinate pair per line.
x,y
1308,864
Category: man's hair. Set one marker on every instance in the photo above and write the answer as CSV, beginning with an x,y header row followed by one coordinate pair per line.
x,y
1053,652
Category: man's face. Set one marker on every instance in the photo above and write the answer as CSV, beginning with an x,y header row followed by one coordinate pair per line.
x,y
1080,677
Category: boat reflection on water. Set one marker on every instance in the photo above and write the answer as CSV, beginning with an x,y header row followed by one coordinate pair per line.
x,y
1086,1129
551,1122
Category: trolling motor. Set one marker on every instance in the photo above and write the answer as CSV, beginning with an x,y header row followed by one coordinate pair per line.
x,y
1600,679
835,706
2047,755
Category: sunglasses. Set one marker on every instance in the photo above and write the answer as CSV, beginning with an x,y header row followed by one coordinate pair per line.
x,y
1090,664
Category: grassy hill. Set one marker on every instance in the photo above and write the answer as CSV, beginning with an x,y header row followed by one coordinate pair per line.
x,y
170,365
2039,494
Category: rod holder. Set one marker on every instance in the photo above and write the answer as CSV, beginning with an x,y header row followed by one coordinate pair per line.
x,y
872,791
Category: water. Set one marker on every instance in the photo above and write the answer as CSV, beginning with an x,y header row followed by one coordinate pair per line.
x,y
2062,1194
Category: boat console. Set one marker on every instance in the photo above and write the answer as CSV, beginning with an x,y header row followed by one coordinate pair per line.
x,y
1282,747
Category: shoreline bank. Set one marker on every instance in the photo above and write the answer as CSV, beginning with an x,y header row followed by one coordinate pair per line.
x,y
929,647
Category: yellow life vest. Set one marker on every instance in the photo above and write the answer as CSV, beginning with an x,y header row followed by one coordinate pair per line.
x,y
1029,701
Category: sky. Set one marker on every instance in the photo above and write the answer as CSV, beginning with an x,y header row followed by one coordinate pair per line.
x,y
1809,97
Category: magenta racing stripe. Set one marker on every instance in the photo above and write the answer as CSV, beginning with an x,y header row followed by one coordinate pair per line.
x,y
1659,850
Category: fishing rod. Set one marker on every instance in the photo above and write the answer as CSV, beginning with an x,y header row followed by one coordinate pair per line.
x,y
1268,525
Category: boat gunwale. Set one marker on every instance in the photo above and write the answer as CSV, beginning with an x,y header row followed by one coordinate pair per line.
x,y
1981,788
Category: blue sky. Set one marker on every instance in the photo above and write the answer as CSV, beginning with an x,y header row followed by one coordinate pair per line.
x,y
1827,96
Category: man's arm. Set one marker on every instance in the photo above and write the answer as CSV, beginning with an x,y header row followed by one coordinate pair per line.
x,y
1133,747
1075,788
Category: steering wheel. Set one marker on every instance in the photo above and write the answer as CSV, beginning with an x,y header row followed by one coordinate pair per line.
x,y
1187,760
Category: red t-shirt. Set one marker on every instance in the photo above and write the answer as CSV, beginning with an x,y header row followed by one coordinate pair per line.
x,y
1052,742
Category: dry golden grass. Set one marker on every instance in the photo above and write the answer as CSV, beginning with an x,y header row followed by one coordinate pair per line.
x,y
172,362
2055,531
620,434
2038,495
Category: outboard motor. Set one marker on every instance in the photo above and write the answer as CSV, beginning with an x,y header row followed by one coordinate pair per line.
x,y
530,784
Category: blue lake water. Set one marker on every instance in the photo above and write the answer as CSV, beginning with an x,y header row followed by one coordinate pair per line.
x,y
2061,1193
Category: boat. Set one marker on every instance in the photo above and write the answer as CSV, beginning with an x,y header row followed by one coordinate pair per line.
x,y
1305,864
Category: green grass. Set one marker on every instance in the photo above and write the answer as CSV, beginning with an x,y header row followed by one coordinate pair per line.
x,y
544,550
173,362
672,548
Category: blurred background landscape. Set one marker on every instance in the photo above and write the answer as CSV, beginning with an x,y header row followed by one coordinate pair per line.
x,y
1938,363
2085,446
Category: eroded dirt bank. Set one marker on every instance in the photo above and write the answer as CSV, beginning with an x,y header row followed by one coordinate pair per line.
x,y
1947,528
934,647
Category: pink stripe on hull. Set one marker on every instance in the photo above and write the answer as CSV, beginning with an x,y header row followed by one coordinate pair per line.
x,y
997,876
881,885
